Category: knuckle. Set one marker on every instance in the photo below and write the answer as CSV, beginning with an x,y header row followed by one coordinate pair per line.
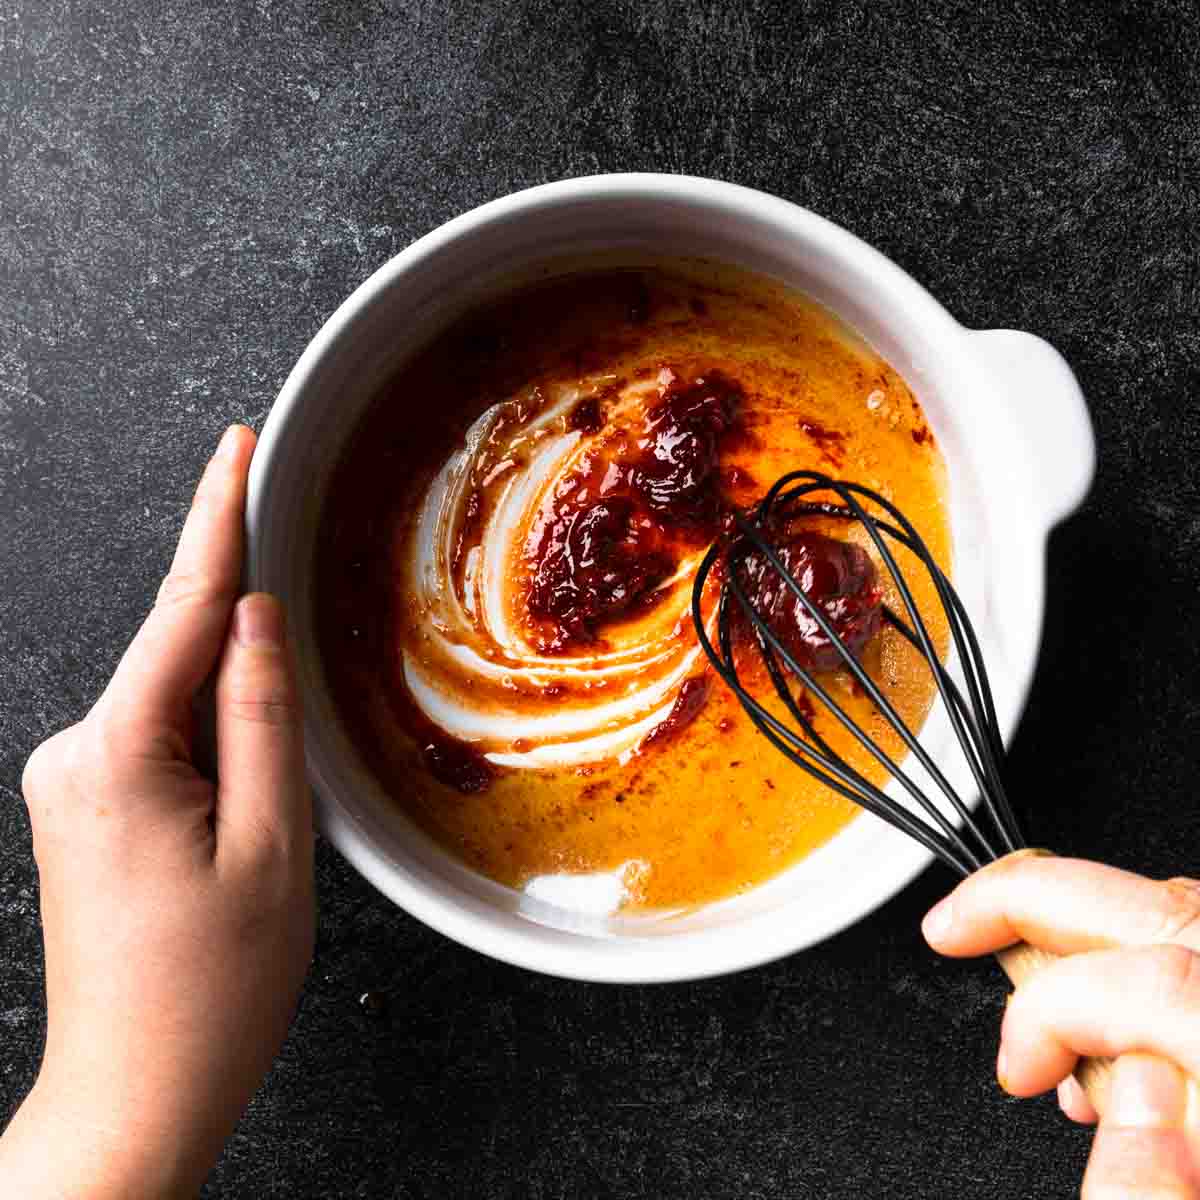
x,y
47,762
270,847
273,709
1174,972
117,740
195,587
1178,912
268,864
261,848
37,767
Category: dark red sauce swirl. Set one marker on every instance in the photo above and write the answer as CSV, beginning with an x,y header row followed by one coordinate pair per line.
x,y
621,521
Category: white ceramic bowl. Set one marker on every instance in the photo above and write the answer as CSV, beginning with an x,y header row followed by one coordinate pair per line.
x,y
1007,413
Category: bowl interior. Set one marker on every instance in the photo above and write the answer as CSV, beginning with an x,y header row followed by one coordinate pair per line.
x,y
996,537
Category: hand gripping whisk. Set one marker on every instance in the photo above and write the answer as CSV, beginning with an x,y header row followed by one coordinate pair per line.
x,y
977,839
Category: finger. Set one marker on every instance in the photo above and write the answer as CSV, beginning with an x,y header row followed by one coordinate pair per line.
x,y
1140,1164
1074,1103
1064,905
1104,1003
179,642
1140,1147
262,796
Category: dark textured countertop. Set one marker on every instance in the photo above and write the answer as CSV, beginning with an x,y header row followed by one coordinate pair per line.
x,y
188,189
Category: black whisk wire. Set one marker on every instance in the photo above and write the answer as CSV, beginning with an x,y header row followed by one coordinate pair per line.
x,y
972,715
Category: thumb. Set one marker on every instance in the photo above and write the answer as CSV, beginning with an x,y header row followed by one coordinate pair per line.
x,y
263,803
1141,1147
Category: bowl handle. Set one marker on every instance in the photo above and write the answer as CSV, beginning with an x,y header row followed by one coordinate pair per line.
x,y
1049,410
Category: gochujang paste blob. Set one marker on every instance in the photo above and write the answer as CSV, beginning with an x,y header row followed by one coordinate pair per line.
x,y
620,525
592,565
677,463
838,577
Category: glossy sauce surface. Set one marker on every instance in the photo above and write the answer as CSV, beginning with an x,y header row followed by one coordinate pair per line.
x,y
505,560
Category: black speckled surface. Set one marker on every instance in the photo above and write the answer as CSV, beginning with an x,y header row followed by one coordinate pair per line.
x,y
187,189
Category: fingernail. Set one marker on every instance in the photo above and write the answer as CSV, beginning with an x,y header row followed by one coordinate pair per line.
x,y
938,920
228,443
1002,1068
1146,1093
258,620
1025,852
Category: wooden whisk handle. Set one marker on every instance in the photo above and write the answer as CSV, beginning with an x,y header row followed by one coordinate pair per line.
x,y
1021,962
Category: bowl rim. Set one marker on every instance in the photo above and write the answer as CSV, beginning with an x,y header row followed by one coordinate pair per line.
x,y
507,936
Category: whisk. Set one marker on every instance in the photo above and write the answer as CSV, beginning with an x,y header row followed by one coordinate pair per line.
x,y
972,716
976,840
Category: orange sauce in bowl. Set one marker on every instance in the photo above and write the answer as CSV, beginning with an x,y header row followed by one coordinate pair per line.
x,y
532,733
